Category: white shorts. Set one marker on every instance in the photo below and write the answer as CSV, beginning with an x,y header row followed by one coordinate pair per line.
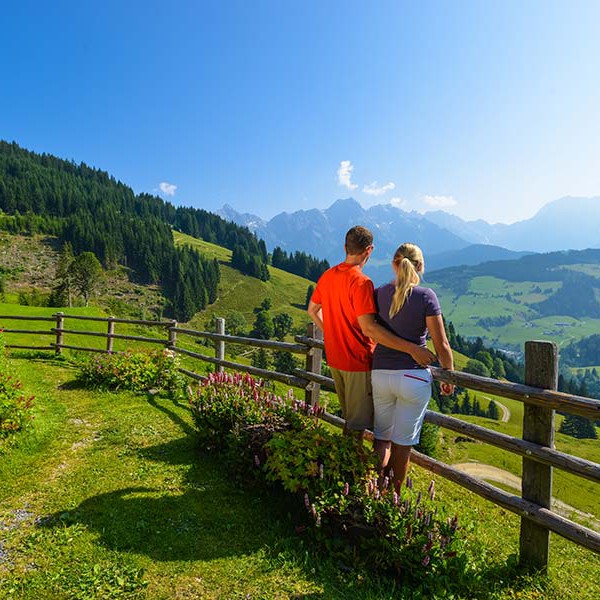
x,y
400,399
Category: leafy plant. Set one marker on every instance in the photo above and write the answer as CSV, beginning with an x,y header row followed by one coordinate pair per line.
x,y
226,404
137,371
15,405
314,460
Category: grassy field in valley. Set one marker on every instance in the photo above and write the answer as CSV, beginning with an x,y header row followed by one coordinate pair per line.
x,y
489,297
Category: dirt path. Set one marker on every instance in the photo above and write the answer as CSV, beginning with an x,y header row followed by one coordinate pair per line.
x,y
497,475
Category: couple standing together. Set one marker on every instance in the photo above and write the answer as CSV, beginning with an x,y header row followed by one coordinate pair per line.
x,y
375,341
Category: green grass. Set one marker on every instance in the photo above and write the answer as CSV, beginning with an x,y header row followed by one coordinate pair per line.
x,y
241,293
580,493
487,297
108,497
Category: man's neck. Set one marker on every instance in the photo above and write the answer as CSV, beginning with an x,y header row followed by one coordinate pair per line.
x,y
356,260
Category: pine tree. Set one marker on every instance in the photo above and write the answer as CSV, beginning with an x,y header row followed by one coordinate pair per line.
x,y
492,411
282,324
466,407
260,359
284,362
578,427
263,326
62,290
309,293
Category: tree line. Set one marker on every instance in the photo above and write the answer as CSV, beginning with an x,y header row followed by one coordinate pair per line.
x,y
484,361
91,210
299,263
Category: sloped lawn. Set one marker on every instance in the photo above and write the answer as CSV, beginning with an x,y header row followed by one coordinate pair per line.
x,y
107,496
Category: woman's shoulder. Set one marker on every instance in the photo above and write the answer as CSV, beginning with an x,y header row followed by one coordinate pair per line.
x,y
423,291
387,289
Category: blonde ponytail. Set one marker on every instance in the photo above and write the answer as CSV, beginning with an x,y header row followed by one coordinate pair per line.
x,y
409,264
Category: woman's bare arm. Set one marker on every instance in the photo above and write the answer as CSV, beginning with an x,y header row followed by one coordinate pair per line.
x,y
435,325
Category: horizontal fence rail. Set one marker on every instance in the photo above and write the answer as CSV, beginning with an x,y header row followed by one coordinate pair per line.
x,y
539,396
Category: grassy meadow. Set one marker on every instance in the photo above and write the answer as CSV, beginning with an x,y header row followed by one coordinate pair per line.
x,y
107,496
490,297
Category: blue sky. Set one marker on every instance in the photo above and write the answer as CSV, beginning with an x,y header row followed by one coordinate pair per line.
x,y
488,109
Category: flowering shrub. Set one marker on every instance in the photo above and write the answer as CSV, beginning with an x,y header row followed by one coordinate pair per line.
x,y
226,405
264,437
405,534
15,406
137,371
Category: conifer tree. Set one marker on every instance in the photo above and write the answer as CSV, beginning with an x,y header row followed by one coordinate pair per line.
x,y
578,427
492,411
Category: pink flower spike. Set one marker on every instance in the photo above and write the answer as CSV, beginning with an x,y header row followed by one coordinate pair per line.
x,y
346,489
431,488
307,501
426,560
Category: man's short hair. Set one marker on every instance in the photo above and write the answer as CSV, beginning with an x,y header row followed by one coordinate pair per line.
x,y
358,239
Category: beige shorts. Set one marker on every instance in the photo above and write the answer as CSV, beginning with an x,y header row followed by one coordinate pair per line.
x,y
354,391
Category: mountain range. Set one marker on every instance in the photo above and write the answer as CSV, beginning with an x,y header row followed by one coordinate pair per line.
x,y
446,240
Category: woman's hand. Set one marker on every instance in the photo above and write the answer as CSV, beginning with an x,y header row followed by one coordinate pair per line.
x,y
447,389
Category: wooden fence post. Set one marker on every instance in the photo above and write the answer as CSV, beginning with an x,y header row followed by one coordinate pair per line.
x,y
314,358
60,320
541,370
220,344
172,335
110,332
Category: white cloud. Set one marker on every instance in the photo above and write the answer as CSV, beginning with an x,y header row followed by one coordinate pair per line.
x,y
374,189
344,174
168,189
439,201
398,202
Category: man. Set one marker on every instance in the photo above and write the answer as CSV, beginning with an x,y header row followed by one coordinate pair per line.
x,y
343,307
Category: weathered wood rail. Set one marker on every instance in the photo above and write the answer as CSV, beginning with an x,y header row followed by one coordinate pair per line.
x,y
538,394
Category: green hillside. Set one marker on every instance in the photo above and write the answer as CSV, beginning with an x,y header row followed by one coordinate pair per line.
x,y
551,296
241,293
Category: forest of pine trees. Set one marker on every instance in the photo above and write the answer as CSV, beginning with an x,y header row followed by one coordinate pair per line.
x,y
487,362
94,212
299,263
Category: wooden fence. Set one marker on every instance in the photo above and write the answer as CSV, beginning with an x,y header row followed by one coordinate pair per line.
x,y
538,394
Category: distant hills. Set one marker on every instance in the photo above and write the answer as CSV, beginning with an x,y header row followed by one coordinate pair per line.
x,y
447,240
553,296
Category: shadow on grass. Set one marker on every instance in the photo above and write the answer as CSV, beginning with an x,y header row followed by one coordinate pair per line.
x,y
200,524
172,414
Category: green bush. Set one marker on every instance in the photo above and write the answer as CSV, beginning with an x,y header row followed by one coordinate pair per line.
x,y
15,406
137,371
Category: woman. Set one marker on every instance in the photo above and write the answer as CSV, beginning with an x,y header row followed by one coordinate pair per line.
x,y
401,387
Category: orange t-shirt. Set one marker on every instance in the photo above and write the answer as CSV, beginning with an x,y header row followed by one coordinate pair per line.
x,y
346,293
